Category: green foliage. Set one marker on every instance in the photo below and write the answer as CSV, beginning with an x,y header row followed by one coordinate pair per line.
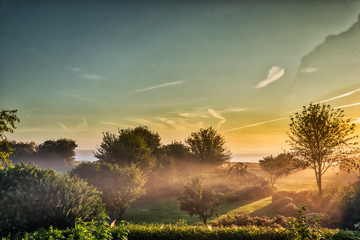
x,y
131,146
82,231
178,151
198,200
351,209
321,137
247,220
119,186
160,232
31,198
280,166
208,146
346,235
301,228
8,119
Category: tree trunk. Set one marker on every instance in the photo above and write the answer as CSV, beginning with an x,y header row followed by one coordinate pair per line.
x,y
318,182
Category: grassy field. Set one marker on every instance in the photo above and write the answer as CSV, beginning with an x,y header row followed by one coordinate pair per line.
x,y
168,211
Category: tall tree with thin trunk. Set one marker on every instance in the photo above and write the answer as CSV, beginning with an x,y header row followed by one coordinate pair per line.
x,y
321,137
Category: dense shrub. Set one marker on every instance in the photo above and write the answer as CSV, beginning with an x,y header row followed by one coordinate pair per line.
x,y
82,230
31,198
351,202
160,232
119,186
327,208
247,220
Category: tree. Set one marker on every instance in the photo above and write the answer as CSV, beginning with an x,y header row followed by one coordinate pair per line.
x,y
57,151
8,119
198,200
119,186
280,166
131,146
321,137
208,146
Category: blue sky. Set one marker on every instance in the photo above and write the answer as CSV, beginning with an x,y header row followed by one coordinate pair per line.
x,y
76,69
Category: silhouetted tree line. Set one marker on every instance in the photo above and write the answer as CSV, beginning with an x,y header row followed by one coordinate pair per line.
x,y
58,153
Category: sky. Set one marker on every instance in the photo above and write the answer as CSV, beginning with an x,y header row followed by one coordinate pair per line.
x,y
76,69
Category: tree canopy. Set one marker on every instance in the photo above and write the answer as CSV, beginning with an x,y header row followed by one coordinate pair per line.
x,y
61,150
208,146
198,200
280,166
130,146
320,137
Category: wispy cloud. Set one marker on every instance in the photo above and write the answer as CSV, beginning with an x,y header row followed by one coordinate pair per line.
x,y
309,70
217,116
230,110
92,77
349,105
342,95
76,69
196,114
109,123
274,74
255,124
67,129
83,125
158,86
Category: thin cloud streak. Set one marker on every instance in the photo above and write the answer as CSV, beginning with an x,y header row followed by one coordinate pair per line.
x,y
92,77
341,96
255,124
67,129
158,86
334,98
349,105
217,116
274,74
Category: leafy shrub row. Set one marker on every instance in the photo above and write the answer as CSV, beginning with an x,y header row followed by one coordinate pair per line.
x,y
247,220
160,232
83,230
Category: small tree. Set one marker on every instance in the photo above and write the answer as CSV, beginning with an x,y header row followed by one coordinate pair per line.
x,y
208,146
131,146
119,186
280,166
198,200
241,171
321,137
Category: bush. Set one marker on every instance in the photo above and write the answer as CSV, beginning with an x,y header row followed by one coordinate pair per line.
x,y
82,230
351,201
31,198
119,186
160,232
247,220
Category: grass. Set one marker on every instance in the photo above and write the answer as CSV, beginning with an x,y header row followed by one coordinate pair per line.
x,y
168,211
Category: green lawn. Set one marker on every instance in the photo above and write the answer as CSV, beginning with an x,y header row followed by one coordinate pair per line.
x,y
169,211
